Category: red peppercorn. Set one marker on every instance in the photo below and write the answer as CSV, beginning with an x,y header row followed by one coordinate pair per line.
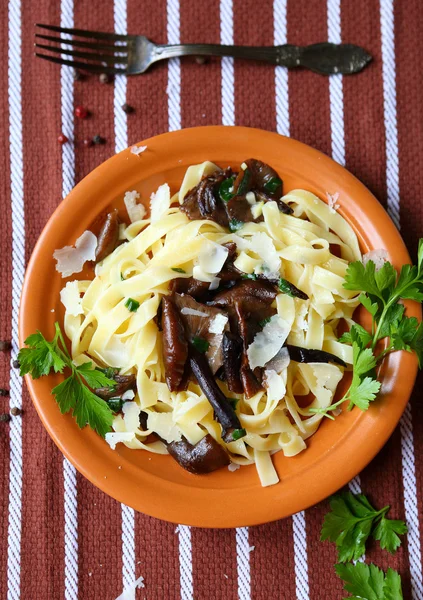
x,y
81,112
87,142
62,139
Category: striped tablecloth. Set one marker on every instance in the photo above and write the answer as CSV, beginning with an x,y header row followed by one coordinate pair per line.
x,y
61,537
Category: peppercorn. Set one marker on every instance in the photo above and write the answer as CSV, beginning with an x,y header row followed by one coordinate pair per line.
x,y
5,418
15,411
201,60
62,139
127,108
5,345
4,392
97,139
16,364
87,142
81,112
77,75
105,78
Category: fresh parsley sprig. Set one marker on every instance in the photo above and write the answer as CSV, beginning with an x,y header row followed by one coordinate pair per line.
x,y
41,356
368,582
352,520
381,294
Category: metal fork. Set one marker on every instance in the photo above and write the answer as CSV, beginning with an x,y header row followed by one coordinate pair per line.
x,y
134,54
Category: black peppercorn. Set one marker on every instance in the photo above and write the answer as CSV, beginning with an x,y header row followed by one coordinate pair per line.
x,y
4,392
97,139
5,345
5,418
127,108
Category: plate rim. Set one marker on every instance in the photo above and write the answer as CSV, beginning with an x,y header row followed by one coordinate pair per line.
x,y
112,485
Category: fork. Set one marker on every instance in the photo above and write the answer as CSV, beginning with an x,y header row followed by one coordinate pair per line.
x,y
113,53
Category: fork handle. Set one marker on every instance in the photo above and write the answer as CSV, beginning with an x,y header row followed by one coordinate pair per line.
x,y
324,58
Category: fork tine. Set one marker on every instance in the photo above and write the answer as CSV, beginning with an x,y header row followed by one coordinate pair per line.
x,y
108,58
98,35
82,66
81,44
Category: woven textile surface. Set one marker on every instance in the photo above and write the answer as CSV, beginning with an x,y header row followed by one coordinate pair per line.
x,y
61,538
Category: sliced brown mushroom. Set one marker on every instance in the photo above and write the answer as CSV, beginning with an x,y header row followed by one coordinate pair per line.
x,y
262,175
223,411
123,384
203,202
175,345
205,456
197,326
307,355
232,355
108,238
193,287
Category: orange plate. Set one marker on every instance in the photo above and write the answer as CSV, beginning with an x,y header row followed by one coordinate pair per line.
x,y
156,485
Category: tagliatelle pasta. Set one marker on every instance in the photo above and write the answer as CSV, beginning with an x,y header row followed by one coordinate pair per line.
x,y
300,246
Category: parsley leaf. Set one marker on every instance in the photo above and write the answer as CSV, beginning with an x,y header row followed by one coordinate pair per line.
x,y
352,520
73,394
365,392
368,582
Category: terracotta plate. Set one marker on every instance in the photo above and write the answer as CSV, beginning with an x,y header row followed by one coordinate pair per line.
x,y
156,485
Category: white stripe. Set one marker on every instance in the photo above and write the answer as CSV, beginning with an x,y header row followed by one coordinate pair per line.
x,y
243,563
228,73
393,192
281,73
228,118
336,95
174,123
410,504
121,142
390,108
300,556
335,86
185,562
282,127
174,67
18,268
68,182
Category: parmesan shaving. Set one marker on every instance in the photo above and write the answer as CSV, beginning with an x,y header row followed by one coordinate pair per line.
x,y
276,387
218,324
214,283
136,212
137,150
212,258
71,299
160,203
163,425
332,201
193,312
267,343
129,593
262,244
116,437
128,395
379,257
250,198
71,260
233,467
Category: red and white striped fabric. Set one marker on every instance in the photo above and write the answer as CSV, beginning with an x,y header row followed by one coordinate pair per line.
x,y
60,536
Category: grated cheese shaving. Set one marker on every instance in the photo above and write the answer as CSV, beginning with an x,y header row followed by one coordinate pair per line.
x,y
71,299
233,467
250,198
218,324
276,388
71,260
136,212
128,395
115,437
160,203
137,150
332,201
214,283
193,312
262,244
267,343
379,257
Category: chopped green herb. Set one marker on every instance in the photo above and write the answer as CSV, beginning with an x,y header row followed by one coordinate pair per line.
x,y
233,402
290,289
264,321
249,276
234,225
122,278
200,344
109,372
244,186
368,582
132,305
115,404
226,189
352,520
73,394
273,184
237,434
178,270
